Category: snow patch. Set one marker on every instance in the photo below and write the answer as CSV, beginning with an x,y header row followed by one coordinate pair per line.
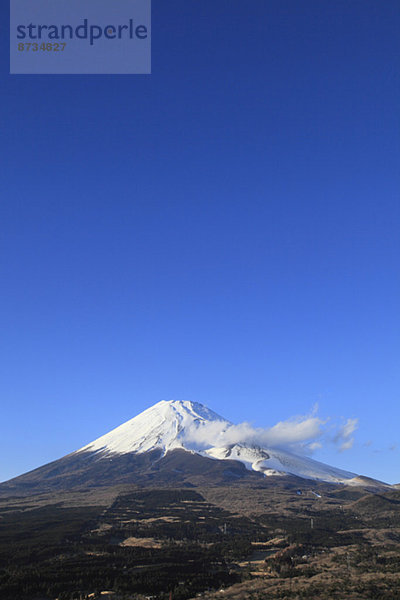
x,y
169,425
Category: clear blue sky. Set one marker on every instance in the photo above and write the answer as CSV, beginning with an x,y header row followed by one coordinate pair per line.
x,y
225,230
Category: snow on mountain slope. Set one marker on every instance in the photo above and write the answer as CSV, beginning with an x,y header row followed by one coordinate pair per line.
x,y
161,426
279,462
167,425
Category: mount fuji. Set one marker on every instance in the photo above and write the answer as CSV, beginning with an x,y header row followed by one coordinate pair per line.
x,y
166,445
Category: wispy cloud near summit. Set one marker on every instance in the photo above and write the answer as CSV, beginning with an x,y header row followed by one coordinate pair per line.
x,y
301,434
344,436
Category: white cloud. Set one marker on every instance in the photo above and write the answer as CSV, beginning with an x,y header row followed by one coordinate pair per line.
x,y
315,446
344,436
301,434
346,445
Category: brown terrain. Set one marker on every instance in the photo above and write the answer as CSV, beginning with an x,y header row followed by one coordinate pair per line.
x,y
285,539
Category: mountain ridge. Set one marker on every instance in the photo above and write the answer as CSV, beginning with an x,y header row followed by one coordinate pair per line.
x,y
159,426
165,444
174,424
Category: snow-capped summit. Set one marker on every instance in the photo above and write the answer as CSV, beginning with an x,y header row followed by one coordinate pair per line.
x,y
162,426
172,425
177,443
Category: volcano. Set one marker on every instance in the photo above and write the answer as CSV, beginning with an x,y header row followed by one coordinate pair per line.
x,y
166,445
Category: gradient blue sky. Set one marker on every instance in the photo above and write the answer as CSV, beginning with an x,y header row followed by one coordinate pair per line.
x,y
225,230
